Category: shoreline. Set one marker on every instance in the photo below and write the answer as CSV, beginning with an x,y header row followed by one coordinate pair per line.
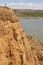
x,y
30,17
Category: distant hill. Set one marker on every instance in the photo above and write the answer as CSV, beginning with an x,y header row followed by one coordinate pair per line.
x,y
27,10
28,13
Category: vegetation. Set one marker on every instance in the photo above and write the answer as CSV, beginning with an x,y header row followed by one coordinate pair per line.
x,y
29,14
33,14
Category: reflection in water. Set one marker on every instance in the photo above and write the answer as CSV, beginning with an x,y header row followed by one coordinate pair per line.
x,y
33,27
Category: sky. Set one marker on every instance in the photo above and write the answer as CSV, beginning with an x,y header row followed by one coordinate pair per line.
x,y
23,4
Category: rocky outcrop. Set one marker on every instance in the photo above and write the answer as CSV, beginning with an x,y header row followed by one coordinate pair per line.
x,y
15,48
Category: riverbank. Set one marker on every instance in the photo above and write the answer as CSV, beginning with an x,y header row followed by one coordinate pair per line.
x,y
28,14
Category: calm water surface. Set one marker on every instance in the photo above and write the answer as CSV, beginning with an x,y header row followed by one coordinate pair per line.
x,y
33,27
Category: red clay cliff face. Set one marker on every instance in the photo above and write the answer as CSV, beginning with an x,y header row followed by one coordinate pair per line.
x,y
15,47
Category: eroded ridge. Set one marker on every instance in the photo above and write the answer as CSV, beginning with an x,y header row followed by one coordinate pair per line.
x,y
15,47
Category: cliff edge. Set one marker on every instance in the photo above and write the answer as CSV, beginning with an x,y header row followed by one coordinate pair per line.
x,y
15,47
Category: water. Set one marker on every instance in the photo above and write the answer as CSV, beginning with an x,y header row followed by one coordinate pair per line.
x,y
33,27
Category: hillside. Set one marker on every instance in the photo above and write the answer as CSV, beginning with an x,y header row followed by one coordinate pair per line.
x,y
28,13
16,48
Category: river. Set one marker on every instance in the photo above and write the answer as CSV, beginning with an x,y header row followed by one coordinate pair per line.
x,y
33,26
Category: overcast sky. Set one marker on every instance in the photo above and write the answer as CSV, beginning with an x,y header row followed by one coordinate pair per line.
x,y
23,4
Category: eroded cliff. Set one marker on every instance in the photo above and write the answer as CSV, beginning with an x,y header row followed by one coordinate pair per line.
x,y
15,47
